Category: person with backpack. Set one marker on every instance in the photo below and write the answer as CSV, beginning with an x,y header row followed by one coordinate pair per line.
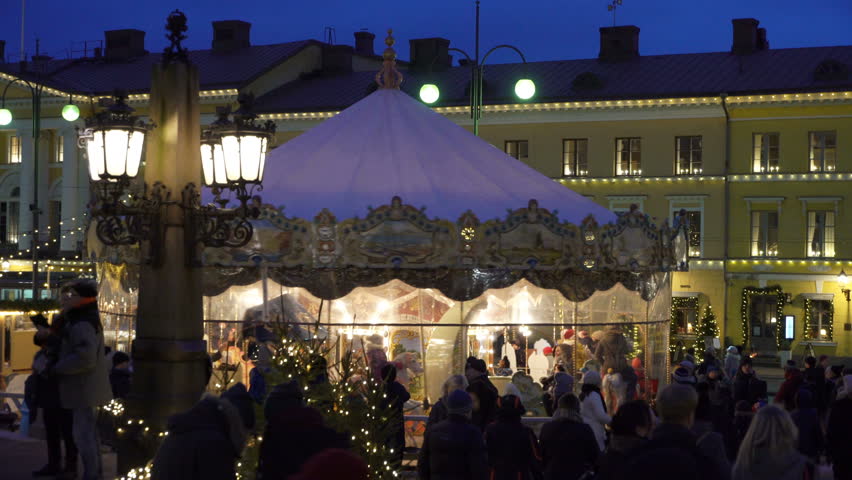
x,y
673,438
768,451
568,445
513,451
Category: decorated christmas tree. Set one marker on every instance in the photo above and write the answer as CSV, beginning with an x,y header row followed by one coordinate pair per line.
x,y
707,327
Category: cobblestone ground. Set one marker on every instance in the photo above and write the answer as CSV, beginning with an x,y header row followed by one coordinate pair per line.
x,y
20,456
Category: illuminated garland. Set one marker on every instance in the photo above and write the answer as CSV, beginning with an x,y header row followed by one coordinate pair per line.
x,y
677,304
745,311
707,327
828,324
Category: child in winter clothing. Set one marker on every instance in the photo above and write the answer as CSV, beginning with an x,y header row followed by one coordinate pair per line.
x,y
593,408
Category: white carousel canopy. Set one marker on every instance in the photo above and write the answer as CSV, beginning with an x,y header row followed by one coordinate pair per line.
x,y
389,144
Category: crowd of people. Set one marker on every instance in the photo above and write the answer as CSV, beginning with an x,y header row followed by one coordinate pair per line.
x,y
714,421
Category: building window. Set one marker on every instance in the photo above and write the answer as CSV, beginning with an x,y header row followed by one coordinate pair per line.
x,y
628,156
818,319
14,149
823,150
765,156
764,320
820,234
688,155
693,236
518,149
9,222
685,315
575,157
764,234
59,154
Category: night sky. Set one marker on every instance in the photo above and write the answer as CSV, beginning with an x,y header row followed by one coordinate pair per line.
x,y
542,29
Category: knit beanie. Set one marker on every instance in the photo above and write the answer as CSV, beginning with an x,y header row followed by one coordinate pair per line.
x,y
283,396
238,397
84,287
459,403
333,463
636,362
510,406
119,357
682,376
592,378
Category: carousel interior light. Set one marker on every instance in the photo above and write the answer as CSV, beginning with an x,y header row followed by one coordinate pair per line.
x,y
525,89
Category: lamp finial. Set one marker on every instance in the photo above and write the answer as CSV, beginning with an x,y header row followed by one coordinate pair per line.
x,y
389,77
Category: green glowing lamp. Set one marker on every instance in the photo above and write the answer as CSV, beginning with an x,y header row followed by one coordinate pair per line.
x,y
429,93
5,116
525,89
70,112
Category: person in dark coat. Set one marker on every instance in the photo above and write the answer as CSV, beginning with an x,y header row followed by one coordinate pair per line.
x,y
814,379
512,447
395,397
120,376
793,381
838,434
204,442
439,410
293,434
676,406
453,449
485,391
806,418
42,391
745,383
631,427
612,350
568,445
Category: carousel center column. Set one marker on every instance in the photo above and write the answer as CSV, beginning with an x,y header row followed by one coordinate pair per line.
x,y
169,353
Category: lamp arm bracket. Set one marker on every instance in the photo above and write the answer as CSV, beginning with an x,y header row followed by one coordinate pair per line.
x,y
498,47
213,226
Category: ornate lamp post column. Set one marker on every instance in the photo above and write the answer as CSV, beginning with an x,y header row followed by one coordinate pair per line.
x,y
169,353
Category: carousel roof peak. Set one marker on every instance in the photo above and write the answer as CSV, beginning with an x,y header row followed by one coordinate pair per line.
x,y
390,145
389,77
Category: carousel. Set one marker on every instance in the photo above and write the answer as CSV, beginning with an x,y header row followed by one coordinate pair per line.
x,y
425,245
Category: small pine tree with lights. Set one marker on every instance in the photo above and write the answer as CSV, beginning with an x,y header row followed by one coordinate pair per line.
x,y
353,407
707,327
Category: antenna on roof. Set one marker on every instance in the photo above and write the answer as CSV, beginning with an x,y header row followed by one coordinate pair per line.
x,y
329,35
612,7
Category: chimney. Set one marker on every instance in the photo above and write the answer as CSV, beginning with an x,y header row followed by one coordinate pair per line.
x,y
364,43
126,43
337,58
619,43
2,51
430,53
747,37
230,35
98,52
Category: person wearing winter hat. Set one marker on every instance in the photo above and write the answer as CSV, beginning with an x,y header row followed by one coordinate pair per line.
x,y
512,447
82,368
485,391
732,361
333,463
592,407
568,445
453,448
120,376
206,440
293,433
839,430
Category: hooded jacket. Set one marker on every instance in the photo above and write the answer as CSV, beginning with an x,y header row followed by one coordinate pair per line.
x,y
793,380
203,443
732,361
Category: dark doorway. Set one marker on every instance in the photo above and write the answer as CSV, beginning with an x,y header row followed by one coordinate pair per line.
x,y
763,322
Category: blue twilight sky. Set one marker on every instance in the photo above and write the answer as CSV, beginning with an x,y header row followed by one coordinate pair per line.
x,y
542,29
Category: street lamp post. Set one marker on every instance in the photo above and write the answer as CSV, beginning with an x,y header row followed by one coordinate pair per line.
x,y
524,88
169,352
70,113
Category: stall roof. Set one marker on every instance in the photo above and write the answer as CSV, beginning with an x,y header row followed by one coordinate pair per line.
x,y
389,144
